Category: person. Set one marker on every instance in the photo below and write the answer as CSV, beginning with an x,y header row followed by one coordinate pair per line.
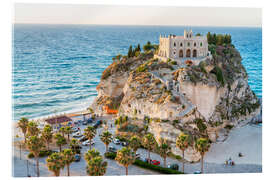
x,y
111,125
230,161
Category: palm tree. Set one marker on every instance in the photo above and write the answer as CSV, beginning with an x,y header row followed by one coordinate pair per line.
x,y
47,135
62,130
68,157
202,145
23,123
182,142
125,157
96,166
74,145
90,133
90,154
35,145
134,143
68,131
149,143
60,140
106,138
164,149
32,129
55,163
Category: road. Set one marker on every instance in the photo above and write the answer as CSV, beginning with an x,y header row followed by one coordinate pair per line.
x,y
78,168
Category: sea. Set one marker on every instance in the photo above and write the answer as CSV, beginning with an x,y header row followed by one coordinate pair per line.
x,y
56,68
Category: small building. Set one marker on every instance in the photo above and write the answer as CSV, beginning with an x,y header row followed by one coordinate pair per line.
x,y
58,120
186,46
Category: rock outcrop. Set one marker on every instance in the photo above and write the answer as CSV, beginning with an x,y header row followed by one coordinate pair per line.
x,y
201,100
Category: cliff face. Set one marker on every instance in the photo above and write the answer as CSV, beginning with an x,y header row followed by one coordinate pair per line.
x,y
166,98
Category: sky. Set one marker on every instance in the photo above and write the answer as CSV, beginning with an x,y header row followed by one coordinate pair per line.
x,y
136,15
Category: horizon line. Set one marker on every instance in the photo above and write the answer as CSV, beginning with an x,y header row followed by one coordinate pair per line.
x,y
135,25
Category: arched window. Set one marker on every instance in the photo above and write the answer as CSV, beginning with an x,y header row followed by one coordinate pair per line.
x,y
188,53
174,44
181,44
181,54
201,44
194,44
194,54
188,44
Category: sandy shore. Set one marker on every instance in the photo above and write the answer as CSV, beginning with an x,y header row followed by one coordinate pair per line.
x,y
246,139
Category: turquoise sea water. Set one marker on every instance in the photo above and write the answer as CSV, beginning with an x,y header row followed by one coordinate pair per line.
x,y
56,67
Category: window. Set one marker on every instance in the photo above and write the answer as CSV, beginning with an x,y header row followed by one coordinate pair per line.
x,y
181,44
201,44
174,44
194,44
188,44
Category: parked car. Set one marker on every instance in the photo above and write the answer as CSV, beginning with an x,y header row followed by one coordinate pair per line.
x,y
99,122
173,166
112,149
83,138
197,172
155,162
77,157
77,135
124,143
90,120
116,141
87,143
74,129
84,122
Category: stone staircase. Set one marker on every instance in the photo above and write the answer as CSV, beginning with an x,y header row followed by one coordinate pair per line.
x,y
189,106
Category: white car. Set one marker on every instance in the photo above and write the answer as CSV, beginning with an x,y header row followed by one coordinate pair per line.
x,y
77,135
116,141
87,143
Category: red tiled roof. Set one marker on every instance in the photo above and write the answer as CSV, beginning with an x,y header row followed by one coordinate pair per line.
x,y
57,120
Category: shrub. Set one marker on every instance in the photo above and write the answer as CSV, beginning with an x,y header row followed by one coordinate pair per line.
x,y
42,153
229,126
174,63
201,126
218,72
141,68
110,155
160,169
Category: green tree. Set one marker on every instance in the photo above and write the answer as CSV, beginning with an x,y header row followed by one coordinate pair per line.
x,y
47,135
68,158
148,46
90,133
74,145
209,38
125,157
202,145
96,166
106,138
35,145
214,39
60,141
55,162
134,143
149,143
90,154
220,39
164,149
118,57
32,129
62,130
68,131
130,51
23,123
182,142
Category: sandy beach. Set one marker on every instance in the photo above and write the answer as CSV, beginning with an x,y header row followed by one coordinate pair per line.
x,y
246,139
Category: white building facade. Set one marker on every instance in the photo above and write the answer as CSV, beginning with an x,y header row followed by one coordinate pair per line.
x,y
179,47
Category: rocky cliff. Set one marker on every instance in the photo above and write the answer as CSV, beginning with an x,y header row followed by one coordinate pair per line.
x,y
202,98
